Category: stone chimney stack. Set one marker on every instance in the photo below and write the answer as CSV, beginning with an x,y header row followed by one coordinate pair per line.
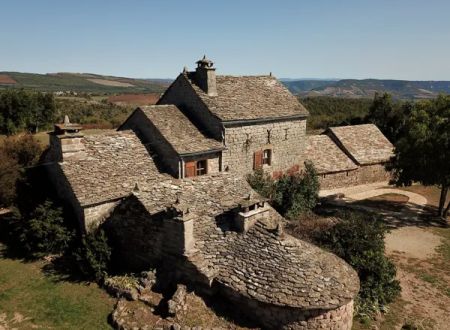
x,y
66,141
205,76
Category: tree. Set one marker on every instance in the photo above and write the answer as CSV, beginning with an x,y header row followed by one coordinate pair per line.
x,y
44,232
422,153
16,153
388,116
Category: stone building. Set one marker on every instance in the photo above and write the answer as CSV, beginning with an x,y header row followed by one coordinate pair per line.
x,y
169,188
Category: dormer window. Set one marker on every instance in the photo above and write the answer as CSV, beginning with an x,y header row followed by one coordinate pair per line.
x,y
196,168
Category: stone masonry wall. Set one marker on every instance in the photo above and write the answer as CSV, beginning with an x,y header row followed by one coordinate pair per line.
x,y
183,96
95,215
281,317
338,180
363,175
372,173
287,141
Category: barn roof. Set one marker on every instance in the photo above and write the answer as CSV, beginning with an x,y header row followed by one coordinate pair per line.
x,y
261,264
178,130
326,156
365,144
249,98
113,164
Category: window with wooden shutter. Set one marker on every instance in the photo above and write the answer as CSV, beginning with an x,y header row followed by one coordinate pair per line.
x,y
258,160
190,169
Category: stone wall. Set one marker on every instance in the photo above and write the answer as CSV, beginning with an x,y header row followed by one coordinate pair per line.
x,y
283,317
95,215
213,161
372,173
64,191
184,97
363,175
287,142
338,179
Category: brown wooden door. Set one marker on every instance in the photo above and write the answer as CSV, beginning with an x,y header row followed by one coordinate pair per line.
x,y
258,160
190,169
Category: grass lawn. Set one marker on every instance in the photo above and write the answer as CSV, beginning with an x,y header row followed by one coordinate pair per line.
x,y
29,298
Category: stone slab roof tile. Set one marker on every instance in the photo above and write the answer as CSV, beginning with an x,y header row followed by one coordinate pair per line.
x,y
114,163
364,143
178,130
250,98
260,264
326,156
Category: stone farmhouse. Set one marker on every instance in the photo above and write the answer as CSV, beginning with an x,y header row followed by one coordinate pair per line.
x,y
169,188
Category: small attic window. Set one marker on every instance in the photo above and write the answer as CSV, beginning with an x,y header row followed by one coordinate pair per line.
x,y
196,168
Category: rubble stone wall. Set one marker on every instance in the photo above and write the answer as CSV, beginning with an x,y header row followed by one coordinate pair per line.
x,y
184,97
372,173
363,175
286,139
95,215
284,317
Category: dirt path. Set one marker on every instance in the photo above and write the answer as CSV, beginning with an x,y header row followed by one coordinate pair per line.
x,y
424,286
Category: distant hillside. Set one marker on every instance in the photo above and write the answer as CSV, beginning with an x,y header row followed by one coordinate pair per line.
x,y
353,88
80,82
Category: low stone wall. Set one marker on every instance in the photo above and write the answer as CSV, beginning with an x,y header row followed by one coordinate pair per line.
x,y
282,317
372,173
363,175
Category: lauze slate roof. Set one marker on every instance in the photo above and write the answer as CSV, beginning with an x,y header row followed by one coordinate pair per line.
x,y
364,143
178,130
260,264
114,163
326,156
249,97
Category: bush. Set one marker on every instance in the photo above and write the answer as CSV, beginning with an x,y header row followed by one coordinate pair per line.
x,y
16,153
359,240
291,195
44,232
94,255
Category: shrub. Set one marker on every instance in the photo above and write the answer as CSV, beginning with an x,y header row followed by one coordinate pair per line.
x,y
16,153
359,240
44,232
291,195
94,255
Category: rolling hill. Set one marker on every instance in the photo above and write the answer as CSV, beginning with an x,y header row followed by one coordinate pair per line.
x,y
366,88
81,82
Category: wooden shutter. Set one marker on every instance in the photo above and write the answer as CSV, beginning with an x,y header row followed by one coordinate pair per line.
x,y
190,169
257,160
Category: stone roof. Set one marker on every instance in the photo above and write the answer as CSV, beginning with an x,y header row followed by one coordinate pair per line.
x,y
249,98
364,143
260,264
178,130
113,164
326,156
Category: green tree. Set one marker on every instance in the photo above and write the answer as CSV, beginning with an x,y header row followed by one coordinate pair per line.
x,y
422,154
359,240
44,232
16,153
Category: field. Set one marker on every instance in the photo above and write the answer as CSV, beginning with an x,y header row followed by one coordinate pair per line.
x,y
29,298
134,99
82,83
7,80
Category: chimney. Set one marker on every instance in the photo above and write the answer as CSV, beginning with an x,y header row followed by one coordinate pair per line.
x,y
205,76
66,141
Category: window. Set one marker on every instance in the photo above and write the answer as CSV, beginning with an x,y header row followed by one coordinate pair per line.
x,y
195,168
267,157
201,167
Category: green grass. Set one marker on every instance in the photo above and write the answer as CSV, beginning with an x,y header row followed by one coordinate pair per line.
x,y
47,302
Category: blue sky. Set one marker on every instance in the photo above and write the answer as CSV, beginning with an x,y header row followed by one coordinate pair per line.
x,y
395,39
